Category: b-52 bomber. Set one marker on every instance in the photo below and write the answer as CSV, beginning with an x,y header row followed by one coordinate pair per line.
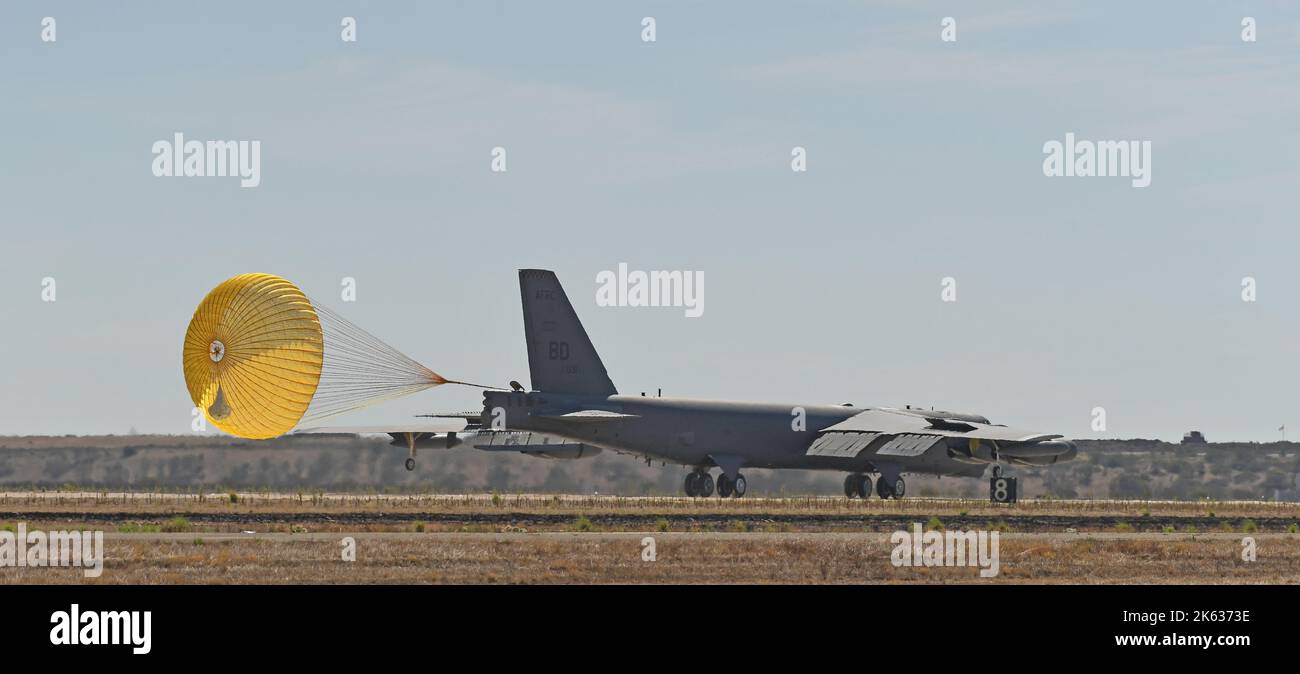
x,y
573,411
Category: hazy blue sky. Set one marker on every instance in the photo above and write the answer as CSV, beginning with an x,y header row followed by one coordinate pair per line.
x,y
924,161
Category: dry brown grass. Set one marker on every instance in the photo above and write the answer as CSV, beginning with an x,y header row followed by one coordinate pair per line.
x,y
681,558
486,539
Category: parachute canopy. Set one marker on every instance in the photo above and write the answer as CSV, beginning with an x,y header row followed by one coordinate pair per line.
x,y
260,357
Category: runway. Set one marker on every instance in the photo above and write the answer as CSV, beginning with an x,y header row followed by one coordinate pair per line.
x,y
485,513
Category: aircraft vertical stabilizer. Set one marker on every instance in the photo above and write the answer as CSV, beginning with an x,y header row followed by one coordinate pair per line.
x,y
561,358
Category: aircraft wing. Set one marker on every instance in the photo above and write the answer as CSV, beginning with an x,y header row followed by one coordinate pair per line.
x,y
450,434
448,426
910,433
533,444
588,416
469,417
894,422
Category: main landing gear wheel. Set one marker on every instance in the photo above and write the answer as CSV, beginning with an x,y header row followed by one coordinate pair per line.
x,y
864,486
887,490
724,486
738,486
699,483
410,464
857,485
705,485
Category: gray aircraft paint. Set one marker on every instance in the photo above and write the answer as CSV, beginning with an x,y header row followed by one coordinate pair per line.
x,y
569,378
574,411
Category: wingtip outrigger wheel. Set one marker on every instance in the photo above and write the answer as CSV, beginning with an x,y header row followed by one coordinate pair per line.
x,y
410,442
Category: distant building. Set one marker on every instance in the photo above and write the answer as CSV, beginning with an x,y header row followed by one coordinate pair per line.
x,y
1292,494
1193,438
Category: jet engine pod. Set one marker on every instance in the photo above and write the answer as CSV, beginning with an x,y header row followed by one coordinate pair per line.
x,y
1042,453
970,450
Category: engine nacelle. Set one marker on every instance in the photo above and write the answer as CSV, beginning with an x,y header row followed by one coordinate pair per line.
x,y
1060,450
970,451
1031,454
1046,453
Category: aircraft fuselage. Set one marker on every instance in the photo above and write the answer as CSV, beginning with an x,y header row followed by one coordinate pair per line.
x,y
696,432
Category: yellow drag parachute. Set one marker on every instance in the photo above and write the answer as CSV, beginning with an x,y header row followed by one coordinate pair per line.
x,y
253,355
260,357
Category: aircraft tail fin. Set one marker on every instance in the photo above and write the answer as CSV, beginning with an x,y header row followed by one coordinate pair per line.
x,y
561,358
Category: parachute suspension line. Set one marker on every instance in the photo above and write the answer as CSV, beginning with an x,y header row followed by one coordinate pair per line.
x,y
486,386
260,357
360,370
